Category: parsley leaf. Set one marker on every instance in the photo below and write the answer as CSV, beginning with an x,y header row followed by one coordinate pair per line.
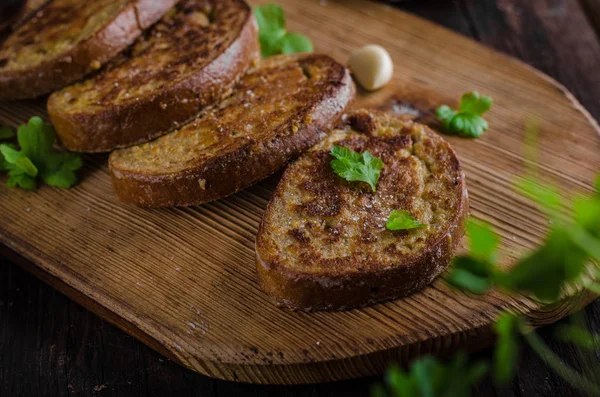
x,y
272,34
545,271
37,158
578,336
546,196
483,241
430,377
467,121
471,274
294,42
6,133
507,349
353,166
475,273
402,220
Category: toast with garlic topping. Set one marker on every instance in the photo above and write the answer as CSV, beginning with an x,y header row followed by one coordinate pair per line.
x,y
323,243
186,62
68,39
278,110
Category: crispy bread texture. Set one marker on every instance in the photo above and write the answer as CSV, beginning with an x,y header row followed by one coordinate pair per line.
x,y
189,60
323,242
277,111
68,39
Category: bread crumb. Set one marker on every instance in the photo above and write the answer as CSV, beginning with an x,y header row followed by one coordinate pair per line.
x,y
202,183
95,65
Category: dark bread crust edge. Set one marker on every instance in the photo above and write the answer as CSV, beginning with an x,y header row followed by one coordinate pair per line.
x,y
139,122
309,292
81,60
231,173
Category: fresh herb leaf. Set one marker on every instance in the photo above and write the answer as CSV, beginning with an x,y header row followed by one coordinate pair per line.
x,y
270,18
473,103
578,336
292,43
467,121
471,274
6,133
429,377
17,177
18,161
36,158
353,166
546,196
545,271
272,34
572,377
483,241
402,220
64,166
270,44
507,349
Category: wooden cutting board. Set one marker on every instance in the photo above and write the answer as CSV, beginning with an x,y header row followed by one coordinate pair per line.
x,y
183,280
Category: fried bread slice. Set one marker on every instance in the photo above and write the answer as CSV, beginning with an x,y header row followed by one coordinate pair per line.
x,y
323,242
277,111
187,61
68,39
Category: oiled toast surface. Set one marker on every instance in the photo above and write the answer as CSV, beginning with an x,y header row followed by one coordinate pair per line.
x,y
187,61
67,39
277,111
323,241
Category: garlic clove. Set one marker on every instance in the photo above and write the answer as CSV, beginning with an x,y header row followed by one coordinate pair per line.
x,y
371,66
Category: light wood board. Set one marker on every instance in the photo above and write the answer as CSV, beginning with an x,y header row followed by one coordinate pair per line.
x,y
183,280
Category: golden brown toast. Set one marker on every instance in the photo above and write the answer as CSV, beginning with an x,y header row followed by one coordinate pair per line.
x,y
188,61
277,111
323,242
68,39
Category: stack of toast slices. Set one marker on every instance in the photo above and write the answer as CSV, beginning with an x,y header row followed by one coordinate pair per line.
x,y
177,93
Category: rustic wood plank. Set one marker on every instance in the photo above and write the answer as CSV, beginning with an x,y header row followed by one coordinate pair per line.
x,y
231,206
522,28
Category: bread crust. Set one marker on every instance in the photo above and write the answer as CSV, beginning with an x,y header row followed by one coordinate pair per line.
x,y
82,59
112,126
225,174
345,288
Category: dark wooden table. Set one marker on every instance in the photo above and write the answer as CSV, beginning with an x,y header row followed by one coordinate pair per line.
x,y
50,346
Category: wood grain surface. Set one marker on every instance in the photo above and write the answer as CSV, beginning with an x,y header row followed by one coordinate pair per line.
x,y
182,280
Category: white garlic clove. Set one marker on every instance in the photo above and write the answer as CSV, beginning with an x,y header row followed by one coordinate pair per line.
x,y
371,66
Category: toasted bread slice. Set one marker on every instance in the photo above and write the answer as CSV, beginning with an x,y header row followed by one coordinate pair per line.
x,y
323,242
189,60
278,110
68,39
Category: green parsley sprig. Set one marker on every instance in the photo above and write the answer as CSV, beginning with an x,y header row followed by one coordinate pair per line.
x,y
402,220
567,249
467,121
353,166
571,245
273,36
430,377
36,158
